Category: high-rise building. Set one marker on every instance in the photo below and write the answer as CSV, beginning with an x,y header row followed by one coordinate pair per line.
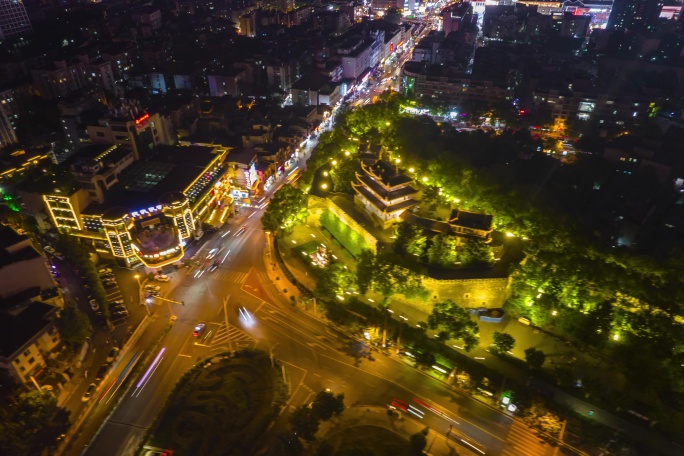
x,y
14,20
634,14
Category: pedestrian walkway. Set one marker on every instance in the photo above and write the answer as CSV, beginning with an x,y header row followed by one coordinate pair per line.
x,y
523,440
228,275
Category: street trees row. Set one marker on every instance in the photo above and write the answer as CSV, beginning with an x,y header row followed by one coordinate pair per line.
x,y
287,209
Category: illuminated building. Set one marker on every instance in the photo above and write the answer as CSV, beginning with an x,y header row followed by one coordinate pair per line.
x,y
136,211
130,126
384,193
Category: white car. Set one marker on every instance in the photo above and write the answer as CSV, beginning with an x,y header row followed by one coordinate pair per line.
x,y
149,287
49,249
59,255
105,271
161,278
89,392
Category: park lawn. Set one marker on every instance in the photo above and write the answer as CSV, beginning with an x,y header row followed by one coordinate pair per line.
x,y
222,403
373,439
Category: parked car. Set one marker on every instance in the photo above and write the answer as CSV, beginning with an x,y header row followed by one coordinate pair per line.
x,y
117,302
211,229
59,255
94,305
106,275
198,330
101,372
119,314
161,278
152,288
89,392
109,285
105,271
49,249
113,353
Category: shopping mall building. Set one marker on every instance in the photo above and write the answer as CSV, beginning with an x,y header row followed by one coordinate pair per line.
x,y
131,210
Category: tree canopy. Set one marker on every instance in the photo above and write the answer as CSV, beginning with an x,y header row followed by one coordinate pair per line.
x,y
73,326
457,321
287,209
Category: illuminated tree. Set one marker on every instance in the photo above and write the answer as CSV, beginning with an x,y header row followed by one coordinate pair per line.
x,y
287,209
443,251
457,321
410,239
504,342
344,173
475,252
335,279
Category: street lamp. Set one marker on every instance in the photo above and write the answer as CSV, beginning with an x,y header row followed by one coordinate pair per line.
x,y
140,295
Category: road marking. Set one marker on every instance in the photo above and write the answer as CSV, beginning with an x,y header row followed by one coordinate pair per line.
x,y
184,356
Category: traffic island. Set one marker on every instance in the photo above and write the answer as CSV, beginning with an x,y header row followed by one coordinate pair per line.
x,y
222,402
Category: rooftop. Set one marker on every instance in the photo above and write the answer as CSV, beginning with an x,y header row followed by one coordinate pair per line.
x,y
170,169
17,330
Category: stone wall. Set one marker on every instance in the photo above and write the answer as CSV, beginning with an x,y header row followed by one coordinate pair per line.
x,y
316,207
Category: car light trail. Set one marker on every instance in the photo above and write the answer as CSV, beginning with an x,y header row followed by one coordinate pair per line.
x,y
143,381
120,379
225,234
435,411
417,412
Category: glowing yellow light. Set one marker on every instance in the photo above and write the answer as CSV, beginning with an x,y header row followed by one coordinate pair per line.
x,y
347,153
616,337
325,173
425,179
334,162
411,170
324,186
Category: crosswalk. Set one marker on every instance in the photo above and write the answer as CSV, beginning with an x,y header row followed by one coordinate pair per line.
x,y
523,441
226,275
232,334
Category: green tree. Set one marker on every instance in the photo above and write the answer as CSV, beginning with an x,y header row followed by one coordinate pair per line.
x,y
476,253
417,443
443,251
326,405
73,326
365,266
425,359
335,279
410,239
344,173
504,342
32,425
535,358
287,209
457,321
303,424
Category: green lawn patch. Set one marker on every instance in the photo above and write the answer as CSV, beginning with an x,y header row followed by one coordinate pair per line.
x,y
348,238
367,440
221,406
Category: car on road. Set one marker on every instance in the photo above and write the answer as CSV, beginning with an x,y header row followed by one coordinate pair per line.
x,y
89,392
212,253
59,255
242,229
161,278
150,287
199,329
105,271
113,353
49,249
94,305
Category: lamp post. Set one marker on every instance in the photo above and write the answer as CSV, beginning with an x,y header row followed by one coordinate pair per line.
x,y
140,295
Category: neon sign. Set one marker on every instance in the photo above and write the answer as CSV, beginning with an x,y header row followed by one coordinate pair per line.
x,y
140,121
147,211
